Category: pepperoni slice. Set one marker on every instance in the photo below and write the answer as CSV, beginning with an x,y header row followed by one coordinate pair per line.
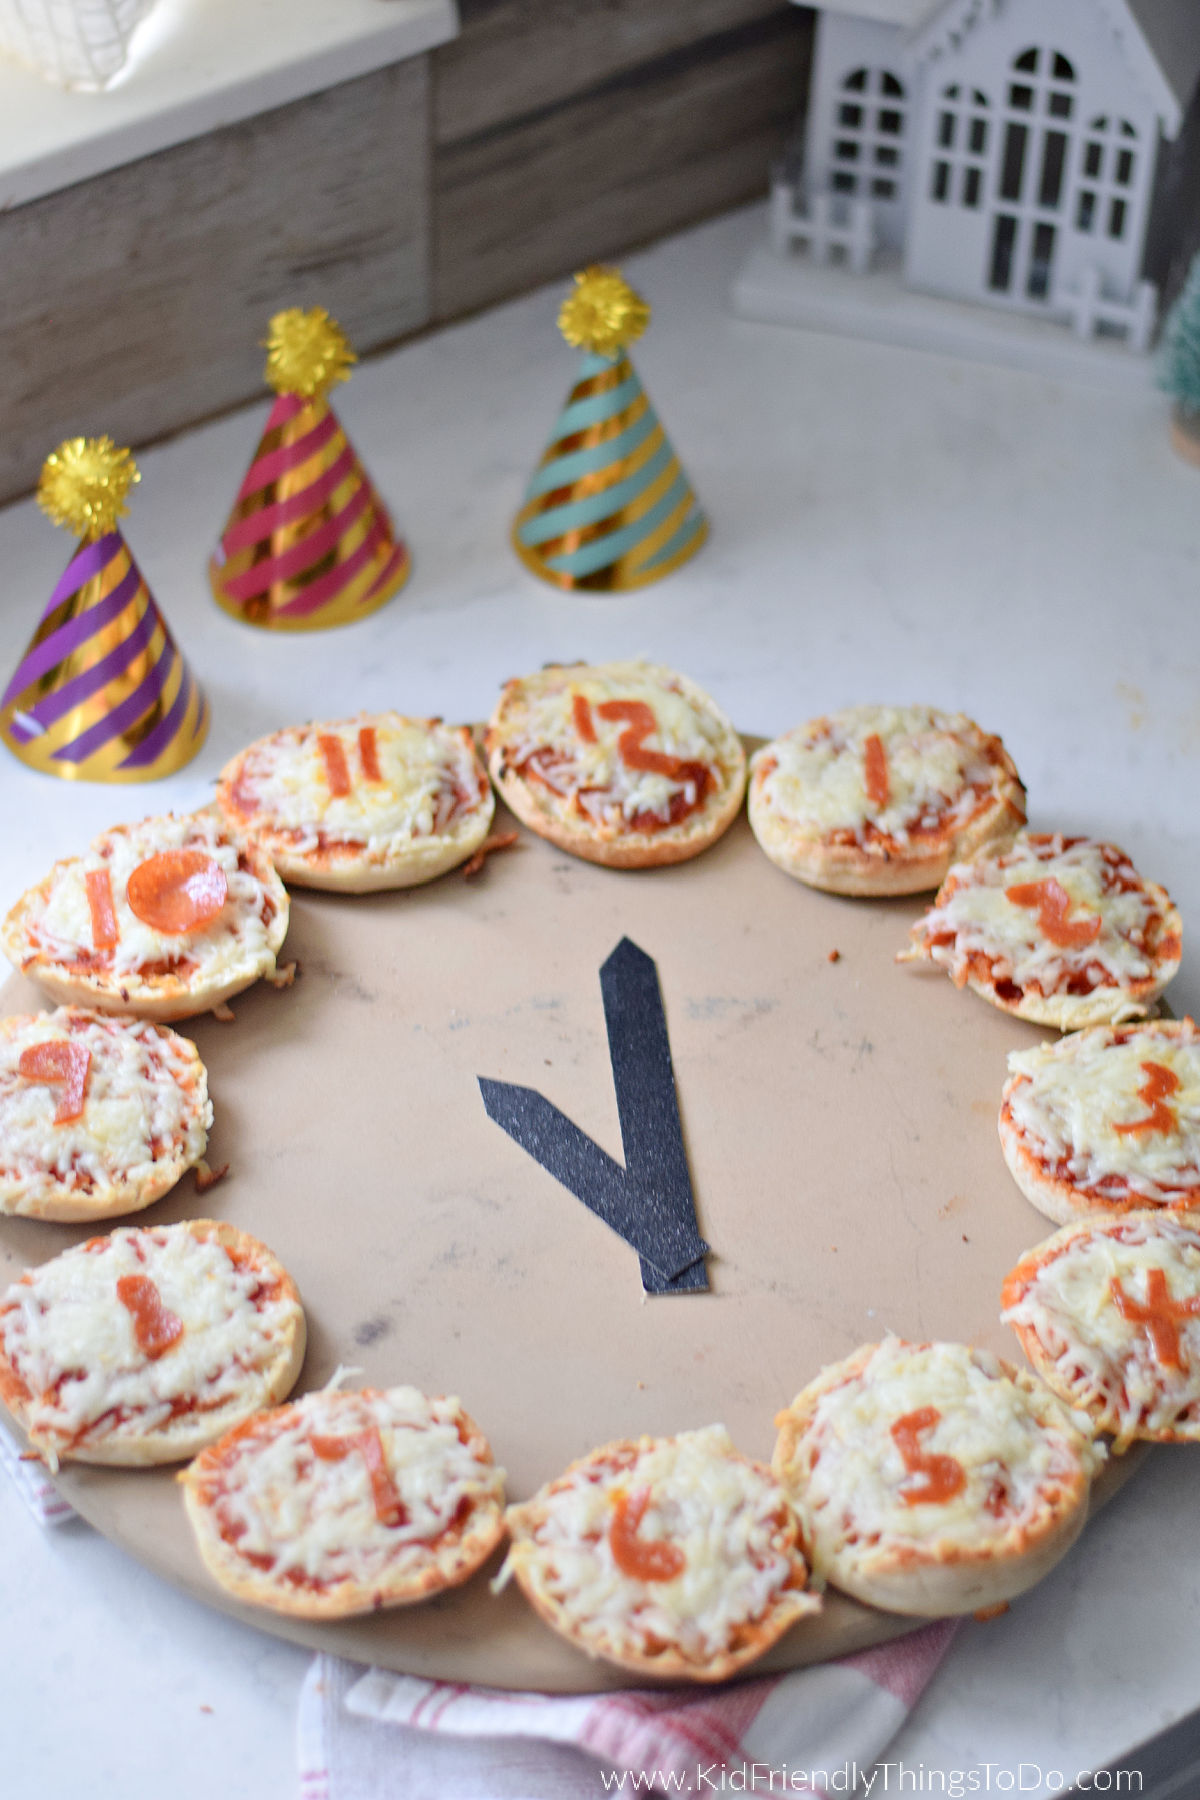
x,y
582,713
389,1508
177,891
1160,1315
368,755
337,774
642,1559
98,883
875,772
941,1477
1052,903
58,1059
155,1326
640,722
1160,1081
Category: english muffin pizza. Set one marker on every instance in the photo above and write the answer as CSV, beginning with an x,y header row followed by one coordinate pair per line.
x,y
377,801
98,1115
1108,1313
1059,930
143,1346
162,919
676,1557
625,763
347,1502
1106,1120
882,799
932,1478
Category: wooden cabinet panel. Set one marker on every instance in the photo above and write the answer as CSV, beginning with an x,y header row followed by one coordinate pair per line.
x,y
516,56
137,302
641,153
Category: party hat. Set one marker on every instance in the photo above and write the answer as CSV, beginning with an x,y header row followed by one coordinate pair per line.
x,y
309,542
609,506
102,693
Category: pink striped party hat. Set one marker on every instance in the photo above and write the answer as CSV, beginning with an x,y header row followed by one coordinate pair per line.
x,y
102,693
309,543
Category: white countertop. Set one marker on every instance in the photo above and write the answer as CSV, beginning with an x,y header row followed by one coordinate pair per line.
x,y
194,66
886,524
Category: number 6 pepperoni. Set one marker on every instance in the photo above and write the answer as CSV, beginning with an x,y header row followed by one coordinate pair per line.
x,y
54,1060
389,1508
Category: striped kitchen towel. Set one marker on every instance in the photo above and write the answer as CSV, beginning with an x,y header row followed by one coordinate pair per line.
x,y
32,1483
365,1734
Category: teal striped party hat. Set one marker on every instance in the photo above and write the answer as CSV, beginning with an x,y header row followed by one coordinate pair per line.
x,y
609,506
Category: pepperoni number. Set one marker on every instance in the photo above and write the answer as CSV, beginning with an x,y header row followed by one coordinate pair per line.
x,y
640,723
941,1477
1160,1315
368,754
155,1326
875,772
98,883
642,1559
551,768
582,714
389,1508
57,1059
1160,1081
177,891
337,769
337,775
1052,903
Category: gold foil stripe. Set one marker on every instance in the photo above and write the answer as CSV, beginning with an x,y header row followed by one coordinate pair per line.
x,y
286,537
88,594
613,577
346,607
292,430
293,481
628,573
350,540
262,608
97,706
137,733
580,535
650,545
599,482
601,384
602,432
94,649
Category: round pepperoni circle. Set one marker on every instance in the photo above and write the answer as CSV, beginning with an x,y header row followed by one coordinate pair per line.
x,y
177,891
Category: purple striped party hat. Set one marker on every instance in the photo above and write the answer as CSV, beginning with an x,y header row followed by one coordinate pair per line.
x,y
309,543
102,693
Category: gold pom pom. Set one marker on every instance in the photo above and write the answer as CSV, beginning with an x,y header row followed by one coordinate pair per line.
x,y
83,485
603,314
307,353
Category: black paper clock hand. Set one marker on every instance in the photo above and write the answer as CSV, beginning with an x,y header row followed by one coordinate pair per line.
x,y
649,1202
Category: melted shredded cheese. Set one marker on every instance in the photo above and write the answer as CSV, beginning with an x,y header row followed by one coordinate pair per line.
x,y
941,770
1016,1444
431,785
1068,1098
72,1342
721,1511
240,940
316,1521
972,917
146,1101
539,735
1100,1361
